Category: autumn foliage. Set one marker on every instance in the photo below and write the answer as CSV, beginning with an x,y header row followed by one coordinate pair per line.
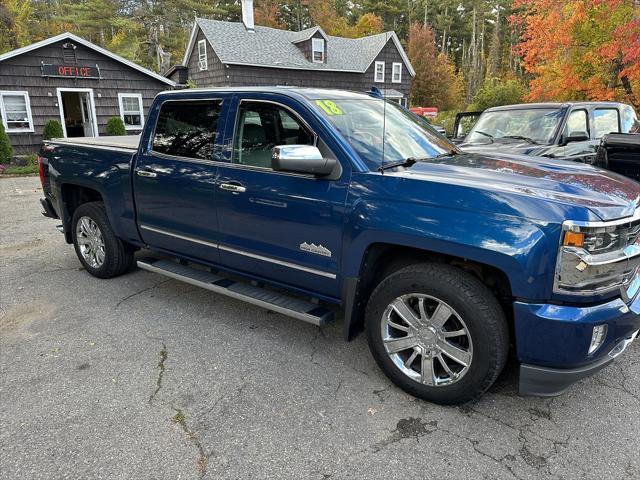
x,y
580,49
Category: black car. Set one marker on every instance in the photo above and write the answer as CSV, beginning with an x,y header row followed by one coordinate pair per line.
x,y
571,130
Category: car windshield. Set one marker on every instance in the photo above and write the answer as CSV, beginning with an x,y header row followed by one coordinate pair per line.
x,y
364,123
535,125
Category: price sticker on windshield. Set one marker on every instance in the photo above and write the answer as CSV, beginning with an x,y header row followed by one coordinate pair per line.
x,y
329,107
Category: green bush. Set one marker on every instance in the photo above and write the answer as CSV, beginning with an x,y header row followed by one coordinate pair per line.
x,y
496,92
52,129
445,119
115,127
6,150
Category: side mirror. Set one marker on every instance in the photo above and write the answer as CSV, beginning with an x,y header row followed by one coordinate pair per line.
x,y
301,159
576,137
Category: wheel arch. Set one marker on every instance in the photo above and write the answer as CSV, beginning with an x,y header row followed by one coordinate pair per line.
x,y
381,259
72,195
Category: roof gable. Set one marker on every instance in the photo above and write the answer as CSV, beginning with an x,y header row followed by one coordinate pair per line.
x,y
88,44
274,48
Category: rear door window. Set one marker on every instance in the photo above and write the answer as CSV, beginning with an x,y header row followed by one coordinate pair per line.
x,y
630,122
187,128
605,120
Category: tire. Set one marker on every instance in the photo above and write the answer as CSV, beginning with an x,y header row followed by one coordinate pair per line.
x,y
105,257
437,294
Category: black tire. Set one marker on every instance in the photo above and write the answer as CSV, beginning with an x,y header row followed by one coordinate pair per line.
x,y
118,259
476,306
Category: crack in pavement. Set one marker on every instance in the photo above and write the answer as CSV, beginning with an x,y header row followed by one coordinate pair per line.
x,y
140,292
164,353
202,462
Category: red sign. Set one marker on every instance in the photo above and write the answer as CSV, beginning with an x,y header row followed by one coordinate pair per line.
x,y
71,71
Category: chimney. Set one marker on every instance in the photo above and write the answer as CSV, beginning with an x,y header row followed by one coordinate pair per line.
x,y
247,15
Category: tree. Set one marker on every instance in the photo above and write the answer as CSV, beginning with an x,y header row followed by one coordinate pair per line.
x,y
580,49
368,24
436,83
496,92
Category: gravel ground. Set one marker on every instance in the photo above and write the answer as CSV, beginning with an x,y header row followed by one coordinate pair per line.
x,y
144,377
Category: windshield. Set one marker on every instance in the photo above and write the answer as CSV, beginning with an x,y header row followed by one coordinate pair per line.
x,y
537,125
363,123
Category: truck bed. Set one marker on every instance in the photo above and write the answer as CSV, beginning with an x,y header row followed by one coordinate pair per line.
x,y
126,142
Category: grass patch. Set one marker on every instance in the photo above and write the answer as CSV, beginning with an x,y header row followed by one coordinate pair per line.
x,y
179,417
21,170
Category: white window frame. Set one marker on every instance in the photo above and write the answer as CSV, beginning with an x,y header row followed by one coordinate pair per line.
x,y
203,64
398,66
3,112
138,96
317,45
376,78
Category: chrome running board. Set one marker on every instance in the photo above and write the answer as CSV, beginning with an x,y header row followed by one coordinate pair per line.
x,y
277,302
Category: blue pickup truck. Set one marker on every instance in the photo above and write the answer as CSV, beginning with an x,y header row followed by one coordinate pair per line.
x,y
310,202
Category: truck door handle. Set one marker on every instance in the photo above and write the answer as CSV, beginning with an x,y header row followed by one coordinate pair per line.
x,y
146,173
233,187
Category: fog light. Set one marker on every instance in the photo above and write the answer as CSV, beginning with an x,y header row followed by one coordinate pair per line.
x,y
597,338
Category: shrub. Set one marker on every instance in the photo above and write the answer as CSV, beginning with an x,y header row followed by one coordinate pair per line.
x,y
445,119
6,150
496,92
52,129
115,126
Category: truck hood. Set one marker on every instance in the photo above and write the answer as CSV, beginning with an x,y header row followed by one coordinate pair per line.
x,y
510,147
607,195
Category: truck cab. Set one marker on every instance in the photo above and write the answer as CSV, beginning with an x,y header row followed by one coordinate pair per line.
x,y
312,202
569,131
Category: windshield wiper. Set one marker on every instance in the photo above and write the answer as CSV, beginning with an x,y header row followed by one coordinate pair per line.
x,y
520,137
407,162
488,135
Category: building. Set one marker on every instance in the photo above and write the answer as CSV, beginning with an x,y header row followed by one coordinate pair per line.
x,y
76,82
242,54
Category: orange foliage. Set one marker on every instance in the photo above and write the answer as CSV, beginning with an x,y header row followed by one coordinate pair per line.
x,y
580,49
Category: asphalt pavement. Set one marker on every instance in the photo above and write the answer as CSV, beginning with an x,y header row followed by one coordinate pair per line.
x,y
143,377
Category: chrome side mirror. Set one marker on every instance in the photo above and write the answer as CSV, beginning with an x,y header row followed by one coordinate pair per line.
x,y
301,159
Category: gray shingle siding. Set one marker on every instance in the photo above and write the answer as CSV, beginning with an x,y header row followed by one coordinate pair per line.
x,y
23,73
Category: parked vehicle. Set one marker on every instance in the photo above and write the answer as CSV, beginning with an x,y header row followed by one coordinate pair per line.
x,y
446,259
463,124
568,131
620,153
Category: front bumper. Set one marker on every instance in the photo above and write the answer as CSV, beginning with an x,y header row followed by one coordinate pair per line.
x,y
549,382
552,341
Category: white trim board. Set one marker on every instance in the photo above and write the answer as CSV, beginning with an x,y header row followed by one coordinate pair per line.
x,y
93,108
88,44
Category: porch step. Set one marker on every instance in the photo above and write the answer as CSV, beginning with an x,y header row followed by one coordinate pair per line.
x,y
277,302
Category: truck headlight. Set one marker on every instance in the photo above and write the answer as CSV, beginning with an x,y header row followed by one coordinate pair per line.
x,y
598,257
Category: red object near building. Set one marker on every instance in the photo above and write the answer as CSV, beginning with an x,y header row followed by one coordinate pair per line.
x,y
429,112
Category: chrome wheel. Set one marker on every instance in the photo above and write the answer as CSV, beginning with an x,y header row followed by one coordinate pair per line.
x,y
427,340
90,242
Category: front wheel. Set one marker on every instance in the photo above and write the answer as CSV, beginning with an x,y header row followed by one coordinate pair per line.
x,y
437,332
102,253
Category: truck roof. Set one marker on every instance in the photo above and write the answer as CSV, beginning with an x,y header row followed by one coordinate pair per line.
x,y
522,106
308,93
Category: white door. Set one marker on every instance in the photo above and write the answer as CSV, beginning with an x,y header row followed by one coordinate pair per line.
x,y
87,118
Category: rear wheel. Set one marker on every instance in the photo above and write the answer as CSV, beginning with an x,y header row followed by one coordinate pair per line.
x,y
437,332
102,253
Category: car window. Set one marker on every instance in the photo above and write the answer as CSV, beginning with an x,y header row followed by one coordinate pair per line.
x,y
577,123
605,120
262,126
187,128
630,122
538,125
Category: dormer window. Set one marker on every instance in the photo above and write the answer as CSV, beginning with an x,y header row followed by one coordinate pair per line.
x,y
396,73
317,50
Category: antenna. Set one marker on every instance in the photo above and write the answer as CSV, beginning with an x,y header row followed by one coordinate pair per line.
x,y
384,99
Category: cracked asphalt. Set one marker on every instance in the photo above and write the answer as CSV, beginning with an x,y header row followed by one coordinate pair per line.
x,y
144,377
